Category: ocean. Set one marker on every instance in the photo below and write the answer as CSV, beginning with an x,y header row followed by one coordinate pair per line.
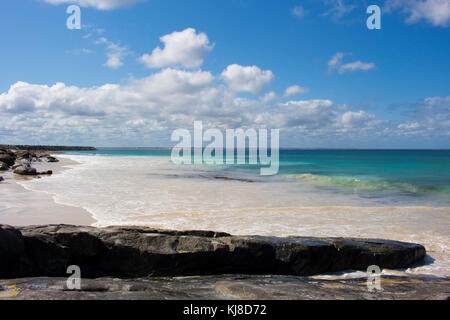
x,y
400,195
393,176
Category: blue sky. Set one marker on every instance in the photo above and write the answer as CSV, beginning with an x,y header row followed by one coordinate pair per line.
x,y
228,63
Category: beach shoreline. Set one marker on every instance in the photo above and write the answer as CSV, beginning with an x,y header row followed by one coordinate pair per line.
x,y
79,177
22,206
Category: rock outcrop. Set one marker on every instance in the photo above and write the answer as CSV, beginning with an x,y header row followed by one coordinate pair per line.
x,y
51,159
3,166
7,158
131,252
20,160
25,170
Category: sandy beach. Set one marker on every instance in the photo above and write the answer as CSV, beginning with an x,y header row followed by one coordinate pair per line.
x,y
21,207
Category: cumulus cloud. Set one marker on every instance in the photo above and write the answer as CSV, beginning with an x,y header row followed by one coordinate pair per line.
x,y
436,12
294,90
336,63
355,119
97,4
269,96
146,107
186,48
144,111
246,79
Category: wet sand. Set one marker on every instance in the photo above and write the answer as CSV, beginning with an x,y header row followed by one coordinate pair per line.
x,y
21,207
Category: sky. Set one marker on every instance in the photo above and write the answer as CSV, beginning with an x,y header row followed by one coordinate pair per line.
x,y
138,69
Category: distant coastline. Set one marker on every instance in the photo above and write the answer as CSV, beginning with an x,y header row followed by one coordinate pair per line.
x,y
48,148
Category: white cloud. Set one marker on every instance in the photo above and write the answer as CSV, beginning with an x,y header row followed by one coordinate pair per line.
x,y
114,52
186,48
246,79
409,126
144,112
355,119
436,12
335,63
432,118
338,8
269,96
355,66
97,4
336,60
295,90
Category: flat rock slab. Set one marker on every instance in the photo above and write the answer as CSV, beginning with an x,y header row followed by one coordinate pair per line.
x,y
229,287
133,252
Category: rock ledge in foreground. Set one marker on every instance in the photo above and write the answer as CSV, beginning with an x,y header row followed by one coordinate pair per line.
x,y
132,252
229,287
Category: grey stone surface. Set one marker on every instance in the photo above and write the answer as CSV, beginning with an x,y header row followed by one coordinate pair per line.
x,y
229,287
132,252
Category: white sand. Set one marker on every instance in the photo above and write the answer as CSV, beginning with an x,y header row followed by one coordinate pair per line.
x,y
20,207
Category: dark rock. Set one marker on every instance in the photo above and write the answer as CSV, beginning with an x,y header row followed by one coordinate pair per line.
x,y
51,159
42,155
7,158
139,252
44,255
232,179
46,172
23,154
7,151
25,170
3,166
11,250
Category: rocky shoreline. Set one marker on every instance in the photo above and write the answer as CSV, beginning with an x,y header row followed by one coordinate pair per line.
x,y
132,252
145,263
20,161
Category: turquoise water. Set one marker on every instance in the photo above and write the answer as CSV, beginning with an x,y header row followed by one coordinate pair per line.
x,y
402,174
